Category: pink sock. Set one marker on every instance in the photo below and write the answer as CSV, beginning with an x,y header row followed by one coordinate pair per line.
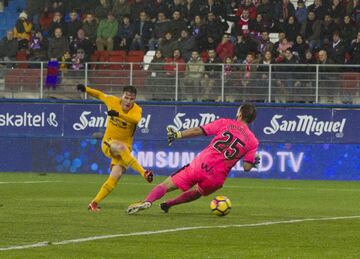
x,y
156,193
187,196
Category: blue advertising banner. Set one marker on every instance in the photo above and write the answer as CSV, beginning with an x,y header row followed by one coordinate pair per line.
x,y
31,119
280,125
295,142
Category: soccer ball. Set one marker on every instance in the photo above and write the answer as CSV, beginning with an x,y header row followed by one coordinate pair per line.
x,y
220,206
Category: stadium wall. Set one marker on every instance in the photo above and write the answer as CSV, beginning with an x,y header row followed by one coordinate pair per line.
x,y
297,141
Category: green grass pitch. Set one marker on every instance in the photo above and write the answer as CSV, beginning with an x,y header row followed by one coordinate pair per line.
x,y
51,208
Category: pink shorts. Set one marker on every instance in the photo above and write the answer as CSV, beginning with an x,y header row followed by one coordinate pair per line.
x,y
187,177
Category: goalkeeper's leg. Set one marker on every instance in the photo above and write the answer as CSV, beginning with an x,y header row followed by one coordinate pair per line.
x,y
119,149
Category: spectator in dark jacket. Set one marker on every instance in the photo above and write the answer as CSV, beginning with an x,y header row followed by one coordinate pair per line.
x,y
300,47
267,9
292,28
192,8
328,27
8,47
90,27
355,50
336,10
143,32
213,6
120,9
258,24
241,49
214,28
125,34
311,30
74,24
58,45
337,48
283,10
212,75
186,44
136,9
102,10
80,42
161,26
177,24
155,7
197,30
58,22
318,8
167,45
178,5
348,30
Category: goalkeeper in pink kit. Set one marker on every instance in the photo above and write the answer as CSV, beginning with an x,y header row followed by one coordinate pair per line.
x,y
208,171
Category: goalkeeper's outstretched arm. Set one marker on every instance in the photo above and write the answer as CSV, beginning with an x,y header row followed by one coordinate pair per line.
x,y
192,132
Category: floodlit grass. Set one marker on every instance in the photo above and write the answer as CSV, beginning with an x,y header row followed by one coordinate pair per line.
x,y
32,212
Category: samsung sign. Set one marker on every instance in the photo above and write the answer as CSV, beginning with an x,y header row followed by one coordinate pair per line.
x,y
280,125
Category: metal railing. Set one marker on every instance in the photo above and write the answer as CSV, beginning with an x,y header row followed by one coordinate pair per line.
x,y
197,82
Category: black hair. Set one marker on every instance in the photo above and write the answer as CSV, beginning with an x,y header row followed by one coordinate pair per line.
x,y
248,112
130,89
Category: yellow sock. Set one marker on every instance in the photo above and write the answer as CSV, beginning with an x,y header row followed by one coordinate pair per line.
x,y
106,188
132,162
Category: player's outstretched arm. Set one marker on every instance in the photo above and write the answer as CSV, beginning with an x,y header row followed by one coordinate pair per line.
x,y
173,134
93,92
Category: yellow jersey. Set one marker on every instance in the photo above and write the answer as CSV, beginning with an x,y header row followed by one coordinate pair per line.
x,y
120,128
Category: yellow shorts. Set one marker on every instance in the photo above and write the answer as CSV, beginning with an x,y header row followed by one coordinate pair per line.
x,y
115,160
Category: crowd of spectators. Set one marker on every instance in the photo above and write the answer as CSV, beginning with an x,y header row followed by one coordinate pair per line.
x,y
73,30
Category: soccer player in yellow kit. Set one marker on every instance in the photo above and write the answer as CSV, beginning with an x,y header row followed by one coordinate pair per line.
x,y
116,144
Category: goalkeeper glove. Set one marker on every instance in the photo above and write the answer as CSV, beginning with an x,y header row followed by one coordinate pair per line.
x,y
172,135
113,113
257,161
81,88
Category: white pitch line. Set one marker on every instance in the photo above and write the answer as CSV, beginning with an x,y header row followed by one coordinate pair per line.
x,y
155,232
30,182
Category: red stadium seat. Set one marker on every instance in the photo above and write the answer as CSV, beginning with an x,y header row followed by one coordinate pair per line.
x,y
137,53
121,59
27,79
117,53
136,60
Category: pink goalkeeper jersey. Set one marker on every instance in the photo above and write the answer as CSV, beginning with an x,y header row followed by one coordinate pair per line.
x,y
233,141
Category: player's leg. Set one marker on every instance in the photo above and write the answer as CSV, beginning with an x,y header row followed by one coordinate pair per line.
x,y
119,149
182,179
205,186
155,194
187,196
160,190
109,185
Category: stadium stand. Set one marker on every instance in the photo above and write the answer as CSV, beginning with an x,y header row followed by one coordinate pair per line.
x,y
323,25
